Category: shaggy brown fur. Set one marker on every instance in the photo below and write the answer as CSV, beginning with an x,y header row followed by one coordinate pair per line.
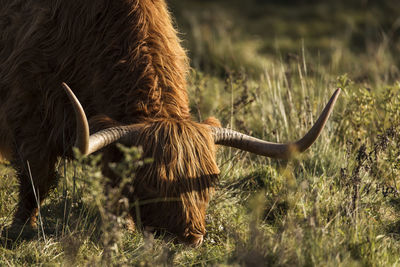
x,y
124,62
178,183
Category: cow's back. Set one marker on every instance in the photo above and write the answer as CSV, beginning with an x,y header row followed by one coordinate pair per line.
x,y
123,59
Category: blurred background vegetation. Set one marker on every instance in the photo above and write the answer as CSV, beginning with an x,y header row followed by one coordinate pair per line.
x,y
225,35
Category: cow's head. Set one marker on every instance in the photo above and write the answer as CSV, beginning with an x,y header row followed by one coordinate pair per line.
x,y
172,192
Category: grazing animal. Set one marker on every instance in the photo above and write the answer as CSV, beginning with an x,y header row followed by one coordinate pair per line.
x,y
126,66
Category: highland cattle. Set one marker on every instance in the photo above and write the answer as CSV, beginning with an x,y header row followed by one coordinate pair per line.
x,y
127,70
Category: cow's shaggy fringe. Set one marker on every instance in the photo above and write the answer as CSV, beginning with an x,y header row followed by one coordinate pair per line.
x,y
174,189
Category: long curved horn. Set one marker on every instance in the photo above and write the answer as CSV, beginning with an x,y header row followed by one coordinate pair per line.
x,y
231,138
90,144
82,125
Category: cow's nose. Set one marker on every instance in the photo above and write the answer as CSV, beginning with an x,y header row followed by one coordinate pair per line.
x,y
197,242
193,240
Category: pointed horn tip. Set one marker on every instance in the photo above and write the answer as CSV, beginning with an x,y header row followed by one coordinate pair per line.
x,y
336,93
82,140
332,100
69,92
66,87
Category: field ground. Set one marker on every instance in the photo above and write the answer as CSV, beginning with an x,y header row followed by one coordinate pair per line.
x,y
266,69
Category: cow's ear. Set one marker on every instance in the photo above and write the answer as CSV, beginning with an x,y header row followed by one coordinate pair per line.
x,y
212,121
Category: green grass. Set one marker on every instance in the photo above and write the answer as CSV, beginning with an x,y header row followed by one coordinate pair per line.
x,y
335,205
